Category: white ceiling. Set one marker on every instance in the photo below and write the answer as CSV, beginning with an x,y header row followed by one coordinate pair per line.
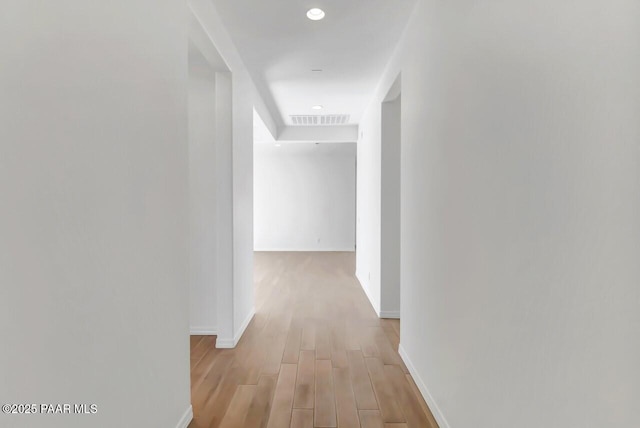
x,y
280,47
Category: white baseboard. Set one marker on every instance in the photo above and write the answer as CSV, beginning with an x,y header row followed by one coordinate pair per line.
x,y
435,410
186,419
231,343
390,314
203,331
224,343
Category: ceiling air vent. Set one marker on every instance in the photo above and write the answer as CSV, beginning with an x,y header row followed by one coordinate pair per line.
x,y
320,120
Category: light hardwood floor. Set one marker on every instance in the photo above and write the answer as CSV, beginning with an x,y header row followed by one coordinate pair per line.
x,y
315,355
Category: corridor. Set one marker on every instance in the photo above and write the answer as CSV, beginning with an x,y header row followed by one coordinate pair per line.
x,y
315,355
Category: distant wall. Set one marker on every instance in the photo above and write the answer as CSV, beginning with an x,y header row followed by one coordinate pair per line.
x,y
304,197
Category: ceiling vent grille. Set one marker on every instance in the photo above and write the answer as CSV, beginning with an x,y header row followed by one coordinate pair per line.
x,y
320,120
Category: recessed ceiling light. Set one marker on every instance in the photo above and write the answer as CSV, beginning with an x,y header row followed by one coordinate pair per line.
x,y
318,107
315,14
278,145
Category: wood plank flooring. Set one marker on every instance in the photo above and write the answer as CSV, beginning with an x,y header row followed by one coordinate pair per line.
x,y
315,355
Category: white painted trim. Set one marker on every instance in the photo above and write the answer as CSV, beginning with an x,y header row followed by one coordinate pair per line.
x,y
224,343
231,343
390,314
310,249
366,292
435,410
186,419
203,331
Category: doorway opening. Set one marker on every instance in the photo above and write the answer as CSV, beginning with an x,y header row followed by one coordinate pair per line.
x,y
210,215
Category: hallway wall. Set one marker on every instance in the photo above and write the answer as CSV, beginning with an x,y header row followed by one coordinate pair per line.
x,y
305,197
520,232
202,196
390,208
93,219
378,210
369,202
235,201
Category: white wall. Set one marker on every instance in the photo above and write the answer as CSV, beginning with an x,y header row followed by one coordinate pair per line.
x,y
520,232
378,205
390,207
304,197
235,201
93,225
202,192
325,134
368,204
